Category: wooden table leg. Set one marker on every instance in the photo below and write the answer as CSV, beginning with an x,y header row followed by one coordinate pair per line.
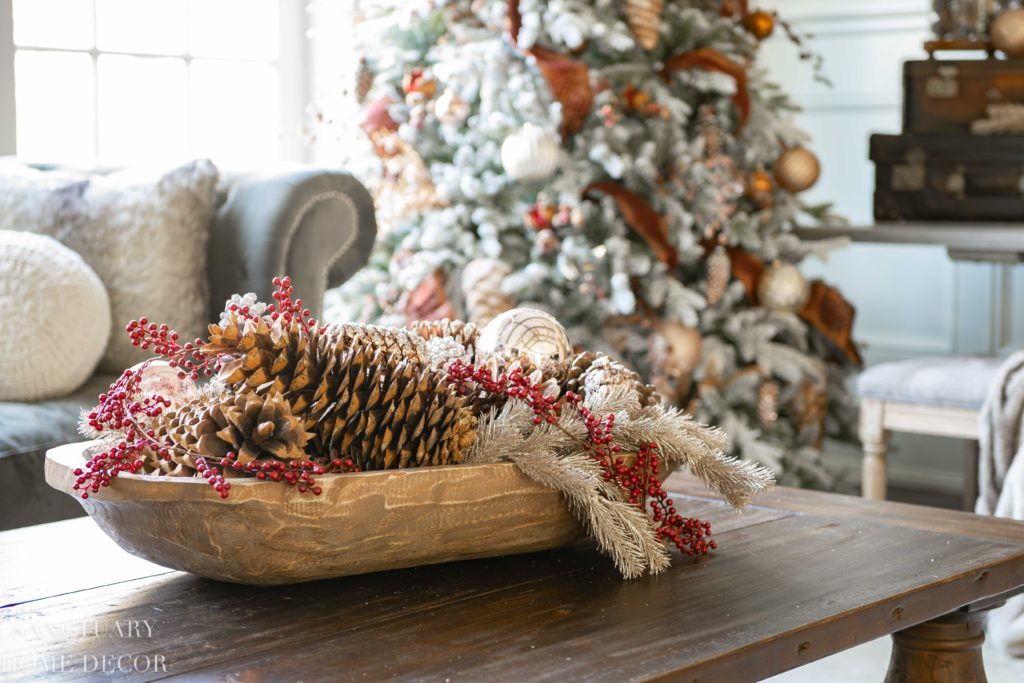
x,y
943,650
875,439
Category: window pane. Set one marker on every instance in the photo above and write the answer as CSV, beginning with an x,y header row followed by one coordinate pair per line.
x,y
35,24
147,26
235,111
234,29
54,96
142,108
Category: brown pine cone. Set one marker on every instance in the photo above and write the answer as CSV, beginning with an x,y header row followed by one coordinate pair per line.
x,y
249,424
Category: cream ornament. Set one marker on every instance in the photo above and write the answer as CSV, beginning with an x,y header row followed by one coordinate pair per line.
x,y
527,334
160,379
530,154
482,280
783,287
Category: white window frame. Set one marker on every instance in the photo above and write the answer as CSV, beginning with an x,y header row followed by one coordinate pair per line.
x,y
293,68
8,133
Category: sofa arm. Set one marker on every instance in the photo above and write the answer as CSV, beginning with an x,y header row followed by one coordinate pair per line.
x,y
315,225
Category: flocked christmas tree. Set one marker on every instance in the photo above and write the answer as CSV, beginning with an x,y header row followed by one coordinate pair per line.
x,y
624,165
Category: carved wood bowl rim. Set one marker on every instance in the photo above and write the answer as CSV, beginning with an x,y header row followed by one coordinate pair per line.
x,y
266,533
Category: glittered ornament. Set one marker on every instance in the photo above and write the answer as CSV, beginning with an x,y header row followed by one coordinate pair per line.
x,y
482,281
759,189
540,215
783,287
768,403
524,333
530,154
451,109
644,19
1007,32
674,349
797,169
719,273
159,378
759,23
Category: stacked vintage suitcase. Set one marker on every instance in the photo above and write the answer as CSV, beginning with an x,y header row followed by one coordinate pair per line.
x,y
961,153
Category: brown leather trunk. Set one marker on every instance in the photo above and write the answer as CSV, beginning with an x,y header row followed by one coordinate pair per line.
x,y
948,177
945,96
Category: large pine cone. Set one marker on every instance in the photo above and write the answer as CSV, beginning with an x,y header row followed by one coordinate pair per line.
x,y
462,332
250,424
385,410
363,391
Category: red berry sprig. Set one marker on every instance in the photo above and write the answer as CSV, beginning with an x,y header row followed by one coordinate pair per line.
x,y
637,478
119,410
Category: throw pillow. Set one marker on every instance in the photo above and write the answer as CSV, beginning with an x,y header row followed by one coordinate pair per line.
x,y
145,235
56,318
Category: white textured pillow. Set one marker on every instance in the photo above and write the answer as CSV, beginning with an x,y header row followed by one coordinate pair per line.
x,y
56,318
145,235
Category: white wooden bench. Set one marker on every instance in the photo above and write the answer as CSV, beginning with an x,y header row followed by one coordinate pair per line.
x,y
939,395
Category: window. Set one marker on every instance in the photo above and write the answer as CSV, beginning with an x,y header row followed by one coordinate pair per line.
x,y
114,82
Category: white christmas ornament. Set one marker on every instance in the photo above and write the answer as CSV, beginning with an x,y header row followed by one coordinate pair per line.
x,y
159,378
527,334
530,154
783,287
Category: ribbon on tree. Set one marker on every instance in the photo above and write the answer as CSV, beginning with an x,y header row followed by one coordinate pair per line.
x,y
710,59
640,216
829,312
429,301
568,79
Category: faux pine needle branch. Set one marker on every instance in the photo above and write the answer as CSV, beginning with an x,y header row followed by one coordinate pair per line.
x,y
566,446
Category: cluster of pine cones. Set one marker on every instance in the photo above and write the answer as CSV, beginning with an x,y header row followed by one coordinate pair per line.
x,y
375,395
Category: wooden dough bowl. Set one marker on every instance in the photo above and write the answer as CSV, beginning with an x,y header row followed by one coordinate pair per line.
x,y
267,533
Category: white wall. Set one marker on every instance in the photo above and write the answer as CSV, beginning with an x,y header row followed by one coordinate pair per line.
x,y
911,301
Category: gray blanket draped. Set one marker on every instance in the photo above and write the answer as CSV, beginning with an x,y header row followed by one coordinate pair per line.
x,y
1001,479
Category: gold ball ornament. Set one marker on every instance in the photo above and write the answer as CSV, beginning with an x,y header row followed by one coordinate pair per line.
x,y
1007,32
527,334
759,23
783,287
759,189
675,349
797,169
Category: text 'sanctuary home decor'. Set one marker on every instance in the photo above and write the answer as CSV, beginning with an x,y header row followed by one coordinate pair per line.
x,y
350,410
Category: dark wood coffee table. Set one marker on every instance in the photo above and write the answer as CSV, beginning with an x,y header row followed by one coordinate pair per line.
x,y
799,577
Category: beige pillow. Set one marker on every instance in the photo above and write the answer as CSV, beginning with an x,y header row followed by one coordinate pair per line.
x,y
145,235
56,318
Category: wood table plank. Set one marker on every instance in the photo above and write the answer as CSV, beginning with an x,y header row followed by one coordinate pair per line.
x,y
783,590
63,557
805,501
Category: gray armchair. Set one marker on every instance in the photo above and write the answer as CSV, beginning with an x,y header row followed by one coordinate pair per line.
x,y
313,224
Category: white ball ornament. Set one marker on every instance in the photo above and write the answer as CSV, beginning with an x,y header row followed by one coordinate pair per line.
x,y
159,378
524,334
783,287
530,154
